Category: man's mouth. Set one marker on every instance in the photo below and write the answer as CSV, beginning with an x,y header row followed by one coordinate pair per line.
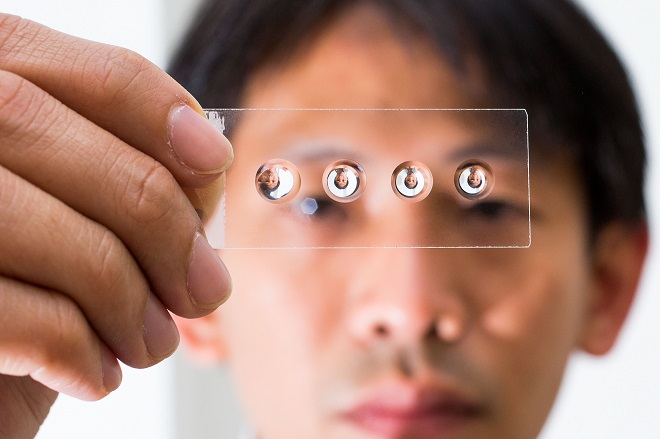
x,y
404,411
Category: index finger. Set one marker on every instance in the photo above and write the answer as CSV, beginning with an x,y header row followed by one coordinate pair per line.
x,y
121,92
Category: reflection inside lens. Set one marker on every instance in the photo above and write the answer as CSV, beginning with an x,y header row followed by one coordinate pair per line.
x,y
344,180
474,179
277,181
412,181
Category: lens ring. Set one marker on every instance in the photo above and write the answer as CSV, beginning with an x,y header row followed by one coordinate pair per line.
x,y
474,179
412,181
344,180
277,181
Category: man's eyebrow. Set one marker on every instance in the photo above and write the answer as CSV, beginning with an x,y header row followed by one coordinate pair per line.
x,y
322,153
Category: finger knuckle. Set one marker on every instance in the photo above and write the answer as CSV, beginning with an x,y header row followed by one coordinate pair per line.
x,y
61,328
110,272
18,200
119,297
113,279
27,46
65,342
26,112
150,194
8,25
65,324
15,32
113,73
15,99
9,200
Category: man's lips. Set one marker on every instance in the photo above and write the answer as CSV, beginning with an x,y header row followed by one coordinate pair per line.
x,y
405,411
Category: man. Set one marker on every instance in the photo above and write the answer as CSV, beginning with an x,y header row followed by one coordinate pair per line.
x,y
405,343
411,179
474,179
341,179
269,179
408,343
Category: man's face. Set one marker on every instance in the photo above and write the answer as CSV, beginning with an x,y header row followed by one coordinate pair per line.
x,y
474,179
411,180
341,180
269,179
401,343
272,180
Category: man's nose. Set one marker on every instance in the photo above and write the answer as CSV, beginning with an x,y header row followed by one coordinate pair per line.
x,y
406,295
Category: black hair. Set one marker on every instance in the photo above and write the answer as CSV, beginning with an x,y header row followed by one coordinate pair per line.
x,y
542,55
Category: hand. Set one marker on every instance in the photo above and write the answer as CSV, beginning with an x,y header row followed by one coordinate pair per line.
x,y
97,237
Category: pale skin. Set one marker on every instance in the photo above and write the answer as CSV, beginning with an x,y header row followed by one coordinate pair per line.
x,y
493,326
98,237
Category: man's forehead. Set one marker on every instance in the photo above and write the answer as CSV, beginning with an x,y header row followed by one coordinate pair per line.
x,y
316,135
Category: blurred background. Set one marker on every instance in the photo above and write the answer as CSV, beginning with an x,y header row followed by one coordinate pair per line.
x,y
607,398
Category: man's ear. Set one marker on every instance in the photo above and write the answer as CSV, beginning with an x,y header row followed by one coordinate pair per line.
x,y
618,257
202,338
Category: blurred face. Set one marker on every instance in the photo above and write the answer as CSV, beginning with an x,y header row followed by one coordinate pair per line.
x,y
269,179
411,180
341,180
400,343
474,179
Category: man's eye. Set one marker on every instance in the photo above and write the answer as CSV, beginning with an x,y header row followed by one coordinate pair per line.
x,y
492,210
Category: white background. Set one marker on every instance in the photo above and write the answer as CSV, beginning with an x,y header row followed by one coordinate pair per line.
x,y
607,398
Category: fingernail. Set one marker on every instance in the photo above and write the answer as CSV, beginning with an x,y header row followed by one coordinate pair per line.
x,y
209,283
111,371
196,143
160,334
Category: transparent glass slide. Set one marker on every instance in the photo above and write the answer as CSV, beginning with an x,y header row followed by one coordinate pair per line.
x,y
370,178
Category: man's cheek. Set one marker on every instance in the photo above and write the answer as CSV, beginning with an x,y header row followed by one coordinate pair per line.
x,y
530,334
523,311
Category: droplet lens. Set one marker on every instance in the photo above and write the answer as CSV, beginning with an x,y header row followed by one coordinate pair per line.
x,y
412,181
474,179
344,180
277,181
